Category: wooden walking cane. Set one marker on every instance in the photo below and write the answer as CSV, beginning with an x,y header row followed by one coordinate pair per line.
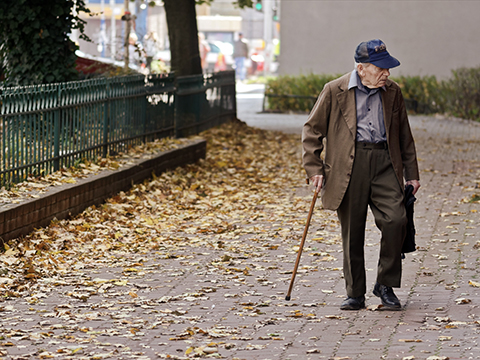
x,y
300,249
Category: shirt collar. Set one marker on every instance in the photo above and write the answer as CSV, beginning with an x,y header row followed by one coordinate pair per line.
x,y
356,82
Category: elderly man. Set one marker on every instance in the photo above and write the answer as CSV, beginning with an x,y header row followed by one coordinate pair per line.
x,y
361,120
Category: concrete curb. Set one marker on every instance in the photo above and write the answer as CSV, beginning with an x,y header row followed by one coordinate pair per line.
x,y
71,199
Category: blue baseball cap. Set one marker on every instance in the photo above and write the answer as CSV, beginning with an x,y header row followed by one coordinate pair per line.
x,y
375,52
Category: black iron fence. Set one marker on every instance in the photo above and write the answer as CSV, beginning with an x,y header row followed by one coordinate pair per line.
x,y
47,127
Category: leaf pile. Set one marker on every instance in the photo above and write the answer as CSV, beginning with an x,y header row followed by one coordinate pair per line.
x,y
224,225
247,174
35,186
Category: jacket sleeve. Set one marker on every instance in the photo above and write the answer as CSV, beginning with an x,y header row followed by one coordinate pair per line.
x,y
314,131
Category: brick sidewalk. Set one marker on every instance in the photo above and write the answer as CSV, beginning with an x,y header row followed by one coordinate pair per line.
x,y
225,296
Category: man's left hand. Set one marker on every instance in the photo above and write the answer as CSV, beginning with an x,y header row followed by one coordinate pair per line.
x,y
415,184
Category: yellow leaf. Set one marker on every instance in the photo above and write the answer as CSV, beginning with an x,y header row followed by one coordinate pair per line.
x,y
121,282
10,251
132,294
474,283
410,340
45,355
444,338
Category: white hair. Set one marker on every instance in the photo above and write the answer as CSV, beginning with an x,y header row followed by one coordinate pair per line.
x,y
364,65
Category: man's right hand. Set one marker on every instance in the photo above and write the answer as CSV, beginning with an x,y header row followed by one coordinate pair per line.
x,y
317,181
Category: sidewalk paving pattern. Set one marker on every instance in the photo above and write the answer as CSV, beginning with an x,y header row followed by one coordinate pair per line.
x,y
177,307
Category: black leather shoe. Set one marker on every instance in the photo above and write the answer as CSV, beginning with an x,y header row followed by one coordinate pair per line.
x,y
353,303
388,297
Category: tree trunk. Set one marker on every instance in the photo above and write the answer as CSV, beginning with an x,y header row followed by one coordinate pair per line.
x,y
183,36
128,28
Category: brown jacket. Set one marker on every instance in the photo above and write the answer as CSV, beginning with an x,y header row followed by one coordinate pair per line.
x,y
333,122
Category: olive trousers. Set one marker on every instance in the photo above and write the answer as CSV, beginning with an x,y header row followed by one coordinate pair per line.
x,y
373,183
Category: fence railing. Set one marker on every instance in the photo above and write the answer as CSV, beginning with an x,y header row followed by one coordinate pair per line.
x,y
48,127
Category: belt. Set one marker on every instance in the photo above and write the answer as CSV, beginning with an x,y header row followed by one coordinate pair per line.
x,y
367,145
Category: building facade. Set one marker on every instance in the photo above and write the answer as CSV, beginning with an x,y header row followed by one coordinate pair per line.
x,y
428,37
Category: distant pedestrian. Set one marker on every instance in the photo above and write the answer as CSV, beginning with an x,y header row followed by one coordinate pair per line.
x,y
240,53
135,50
150,45
369,153
204,49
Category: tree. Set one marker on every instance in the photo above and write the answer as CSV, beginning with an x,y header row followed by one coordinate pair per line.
x,y
36,48
34,36
183,34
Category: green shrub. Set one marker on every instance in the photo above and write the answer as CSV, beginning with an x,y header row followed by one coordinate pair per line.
x,y
423,95
458,96
34,44
463,93
306,87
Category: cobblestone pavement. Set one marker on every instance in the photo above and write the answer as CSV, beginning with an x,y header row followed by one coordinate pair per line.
x,y
175,306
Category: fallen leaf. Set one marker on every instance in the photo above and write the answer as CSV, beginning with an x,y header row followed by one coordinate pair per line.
x,y
474,283
410,340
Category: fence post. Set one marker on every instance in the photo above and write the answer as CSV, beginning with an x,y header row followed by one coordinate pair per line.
x,y
176,113
56,130
143,104
106,117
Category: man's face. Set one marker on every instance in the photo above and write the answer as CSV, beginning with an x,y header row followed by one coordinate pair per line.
x,y
372,76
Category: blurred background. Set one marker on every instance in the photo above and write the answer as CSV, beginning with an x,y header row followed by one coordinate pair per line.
x,y
292,37
219,22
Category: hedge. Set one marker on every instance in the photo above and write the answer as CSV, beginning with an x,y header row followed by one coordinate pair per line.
x,y
458,96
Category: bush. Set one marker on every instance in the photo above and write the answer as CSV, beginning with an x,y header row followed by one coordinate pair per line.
x,y
298,93
34,44
423,95
463,93
458,96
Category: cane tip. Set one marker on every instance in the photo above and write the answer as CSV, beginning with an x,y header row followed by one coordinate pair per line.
x,y
287,298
